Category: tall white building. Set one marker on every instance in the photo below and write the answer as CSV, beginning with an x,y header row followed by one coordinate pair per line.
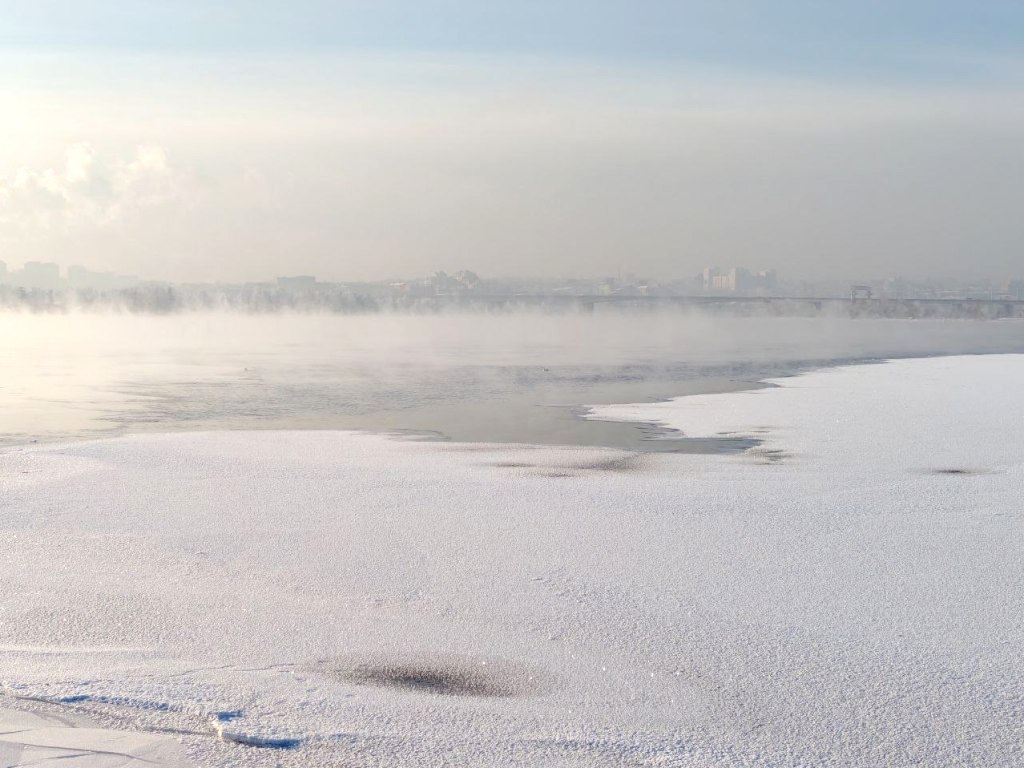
x,y
39,274
736,280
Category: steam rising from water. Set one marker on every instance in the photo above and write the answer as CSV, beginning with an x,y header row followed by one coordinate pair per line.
x,y
78,375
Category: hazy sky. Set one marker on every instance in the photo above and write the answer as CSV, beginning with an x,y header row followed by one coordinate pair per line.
x,y
240,140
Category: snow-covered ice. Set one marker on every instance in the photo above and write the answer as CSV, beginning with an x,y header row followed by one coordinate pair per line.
x,y
848,593
48,741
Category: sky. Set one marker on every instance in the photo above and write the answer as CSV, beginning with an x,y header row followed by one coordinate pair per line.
x,y
187,140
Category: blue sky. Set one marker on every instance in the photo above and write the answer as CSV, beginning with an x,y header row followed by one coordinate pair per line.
x,y
868,39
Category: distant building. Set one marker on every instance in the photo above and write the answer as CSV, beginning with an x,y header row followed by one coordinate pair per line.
x,y
469,281
297,283
736,280
442,284
715,280
766,279
80,278
464,281
38,274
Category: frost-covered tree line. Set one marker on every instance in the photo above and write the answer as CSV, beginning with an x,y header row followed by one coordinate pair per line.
x,y
159,298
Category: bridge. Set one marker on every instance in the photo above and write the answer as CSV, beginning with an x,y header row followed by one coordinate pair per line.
x,y
858,305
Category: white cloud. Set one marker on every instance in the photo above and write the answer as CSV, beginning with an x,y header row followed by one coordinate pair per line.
x,y
87,191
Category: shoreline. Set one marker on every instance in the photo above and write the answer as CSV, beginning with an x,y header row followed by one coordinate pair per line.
x,y
503,379
555,415
547,416
558,415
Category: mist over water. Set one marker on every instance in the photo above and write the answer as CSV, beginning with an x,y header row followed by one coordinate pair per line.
x,y
463,377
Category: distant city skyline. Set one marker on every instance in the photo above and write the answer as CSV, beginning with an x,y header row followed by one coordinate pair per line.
x,y
712,280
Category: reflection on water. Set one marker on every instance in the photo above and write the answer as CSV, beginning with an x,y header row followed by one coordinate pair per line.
x,y
499,378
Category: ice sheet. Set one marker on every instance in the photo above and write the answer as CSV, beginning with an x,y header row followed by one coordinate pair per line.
x,y
30,739
847,594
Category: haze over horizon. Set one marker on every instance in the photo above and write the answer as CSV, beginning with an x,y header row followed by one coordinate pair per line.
x,y
362,140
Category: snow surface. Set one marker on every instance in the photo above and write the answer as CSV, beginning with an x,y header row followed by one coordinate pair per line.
x,y
848,593
42,741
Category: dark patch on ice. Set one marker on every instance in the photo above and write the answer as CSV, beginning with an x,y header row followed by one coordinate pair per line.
x,y
632,462
484,447
113,701
227,715
767,455
953,471
443,676
628,463
263,742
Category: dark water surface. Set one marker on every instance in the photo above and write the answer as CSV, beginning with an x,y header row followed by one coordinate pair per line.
x,y
501,378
